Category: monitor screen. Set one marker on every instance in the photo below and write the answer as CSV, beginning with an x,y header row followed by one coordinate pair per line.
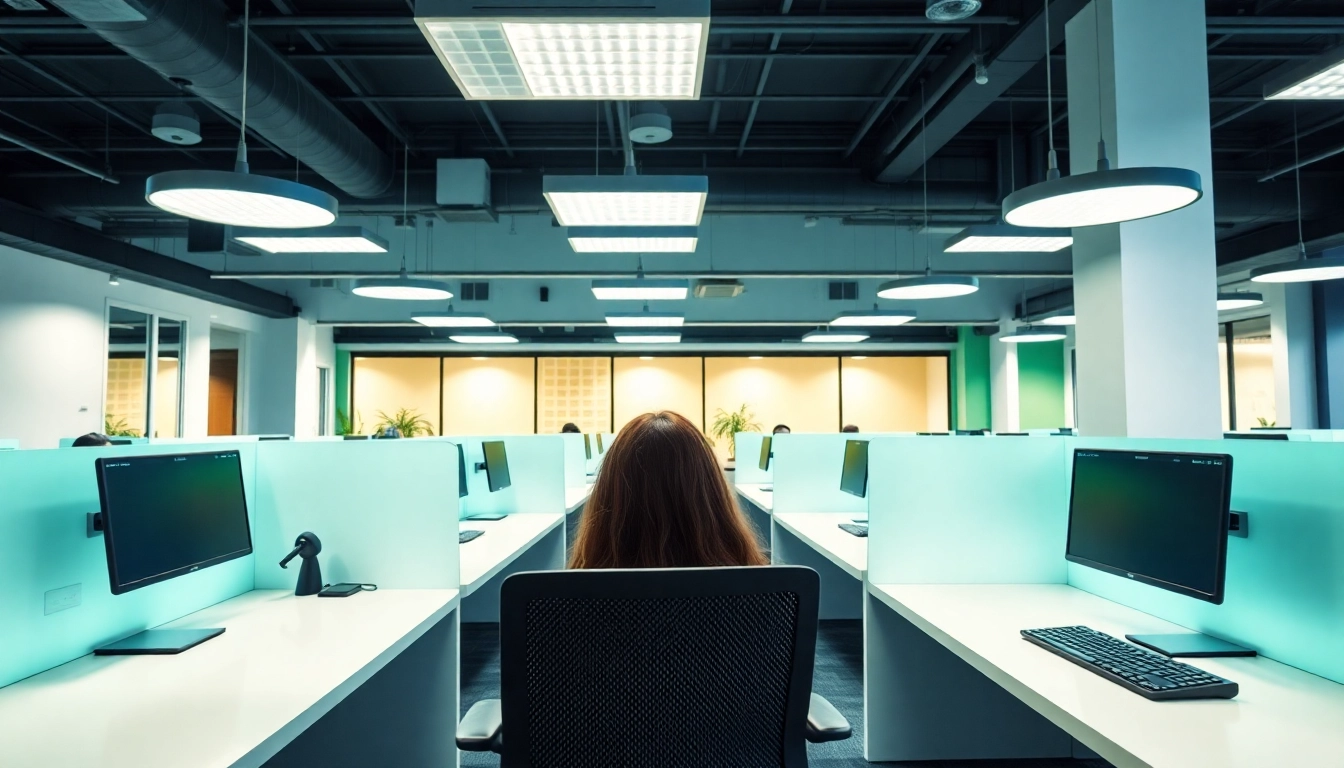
x,y
854,475
1157,518
165,516
587,447
600,449
461,471
766,442
496,465
1254,436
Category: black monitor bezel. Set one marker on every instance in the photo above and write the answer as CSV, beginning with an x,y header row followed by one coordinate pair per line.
x,y
843,489
764,461
587,447
490,476
600,449
109,525
462,491
1215,597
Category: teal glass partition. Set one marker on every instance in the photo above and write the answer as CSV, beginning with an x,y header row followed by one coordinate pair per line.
x,y
576,461
536,468
747,454
807,471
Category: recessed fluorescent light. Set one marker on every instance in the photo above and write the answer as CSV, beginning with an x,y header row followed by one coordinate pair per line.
x,y
654,50
1005,238
626,201
835,337
756,357
402,288
1061,320
641,289
645,357
645,319
1238,300
634,239
484,338
1028,335
928,286
1320,78
648,338
872,318
314,240
453,320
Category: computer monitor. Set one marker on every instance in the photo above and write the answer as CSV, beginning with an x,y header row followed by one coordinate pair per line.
x,y
600,449
461,471
1256,436
1156,518
356,437
587,447
854,473
972,432
496,465
765,453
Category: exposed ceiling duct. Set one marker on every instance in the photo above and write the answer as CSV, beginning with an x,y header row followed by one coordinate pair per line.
x,y
194,43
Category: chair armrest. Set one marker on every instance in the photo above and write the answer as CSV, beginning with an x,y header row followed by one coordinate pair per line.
x,y
824,722
482,728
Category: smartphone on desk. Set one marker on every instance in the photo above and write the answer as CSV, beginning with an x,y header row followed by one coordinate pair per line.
x,y
340,590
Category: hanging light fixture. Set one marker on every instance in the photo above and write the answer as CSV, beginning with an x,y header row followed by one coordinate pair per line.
x,y
451,319
1104,196
237,197
1303,270
873,318
645,319
648,338
484,338
834,337
403,287
1228,301
1061,320
950,10
1031,335
320,240
641,289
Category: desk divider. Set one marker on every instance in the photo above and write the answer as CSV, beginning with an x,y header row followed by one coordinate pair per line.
x,y
576,461
385,510
747,452
536,469
807,475
9,445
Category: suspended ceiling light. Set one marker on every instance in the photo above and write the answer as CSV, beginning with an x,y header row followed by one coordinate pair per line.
x,y
928,286
484,338
834,337
627,200
1104,196
645,319
648,338
453,320
655,50
1228,301
951,10
1029,335
1319,78
236,197
1005,238
1060,320
318,240
401,288
634,239
873,318
641,289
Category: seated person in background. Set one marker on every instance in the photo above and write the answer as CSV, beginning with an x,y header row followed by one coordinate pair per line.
x,y
850,428
388,433
781,429
661,501
569,428
91,440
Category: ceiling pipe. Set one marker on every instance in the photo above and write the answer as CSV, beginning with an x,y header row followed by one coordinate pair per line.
x,y
78,166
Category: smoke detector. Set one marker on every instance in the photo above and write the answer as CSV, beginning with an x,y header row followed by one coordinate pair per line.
x,y
651,124
177,123
951,10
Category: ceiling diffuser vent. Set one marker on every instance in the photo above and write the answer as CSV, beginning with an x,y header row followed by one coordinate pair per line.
x,y
718,289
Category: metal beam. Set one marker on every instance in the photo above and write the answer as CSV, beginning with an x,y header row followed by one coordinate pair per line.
x,y
721,24
897,83
1304,162
902,152
1277,243
784,7
721,78
78,166
499,130
1281,25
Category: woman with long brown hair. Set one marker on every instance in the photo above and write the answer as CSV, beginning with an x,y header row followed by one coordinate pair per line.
x,y
661,501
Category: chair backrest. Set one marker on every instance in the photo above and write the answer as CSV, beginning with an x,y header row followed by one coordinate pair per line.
x,y
659,668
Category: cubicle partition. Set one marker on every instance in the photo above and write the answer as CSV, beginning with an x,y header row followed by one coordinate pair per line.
x,y
576,461
747,464
9,445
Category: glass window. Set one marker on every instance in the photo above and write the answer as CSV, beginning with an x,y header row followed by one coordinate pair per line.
x,y
126,409
168,378
1247,374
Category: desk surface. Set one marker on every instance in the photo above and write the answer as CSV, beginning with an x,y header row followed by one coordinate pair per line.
x,y
504,540
765,500
821,531
575,497
231,702
1282,716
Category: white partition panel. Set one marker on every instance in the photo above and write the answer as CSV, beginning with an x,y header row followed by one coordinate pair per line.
x,y
807,474
385,510
576,461
536,469
747,451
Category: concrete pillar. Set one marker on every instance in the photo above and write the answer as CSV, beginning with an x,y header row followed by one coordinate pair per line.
x,y
1005,412
1144,291
1293,337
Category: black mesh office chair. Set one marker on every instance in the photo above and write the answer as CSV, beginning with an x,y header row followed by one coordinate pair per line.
x,y
663,668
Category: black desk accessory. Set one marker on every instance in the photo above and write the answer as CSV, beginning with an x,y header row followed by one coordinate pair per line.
x,y
490,516
464,536
854,530
158,642
346,590
306,546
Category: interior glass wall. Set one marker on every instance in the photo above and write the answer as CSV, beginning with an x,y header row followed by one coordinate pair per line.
x,y
1247,374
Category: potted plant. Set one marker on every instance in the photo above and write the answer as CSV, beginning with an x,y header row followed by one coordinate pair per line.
x,y
116,426
345,425
408,422
729,423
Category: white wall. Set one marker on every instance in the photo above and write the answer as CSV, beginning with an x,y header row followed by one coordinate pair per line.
x,y
53,350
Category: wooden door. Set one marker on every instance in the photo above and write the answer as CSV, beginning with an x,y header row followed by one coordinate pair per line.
x,y
223,392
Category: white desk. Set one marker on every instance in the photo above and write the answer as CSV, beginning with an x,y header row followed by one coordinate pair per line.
x,y
821,532
576,497
1281,717
231,702
504,541
764,500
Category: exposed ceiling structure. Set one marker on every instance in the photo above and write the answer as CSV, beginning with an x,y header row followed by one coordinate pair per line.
x,y
813,114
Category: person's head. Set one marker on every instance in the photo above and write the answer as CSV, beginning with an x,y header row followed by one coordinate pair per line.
x,y
91,440
849,428
661,501
781,429
388,433
570,427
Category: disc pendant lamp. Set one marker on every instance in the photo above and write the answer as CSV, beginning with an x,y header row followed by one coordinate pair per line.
x,y
1301,270
1031,335
1104,196
403,287
237,197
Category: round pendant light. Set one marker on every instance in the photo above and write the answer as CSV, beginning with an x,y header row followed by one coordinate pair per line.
x,y
401,288
1228,301
1029,335
236,197
928,286
1061,320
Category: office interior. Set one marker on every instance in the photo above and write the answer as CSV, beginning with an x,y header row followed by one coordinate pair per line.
x,y
1047,296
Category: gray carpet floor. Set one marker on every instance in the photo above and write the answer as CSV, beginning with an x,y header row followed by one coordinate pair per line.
x,y
839,677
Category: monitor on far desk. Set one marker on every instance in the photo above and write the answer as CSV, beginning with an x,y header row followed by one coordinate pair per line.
x,y
587,447
766,453
854,473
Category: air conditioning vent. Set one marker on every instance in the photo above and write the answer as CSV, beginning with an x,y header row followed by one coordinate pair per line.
x,y
325,282
844,290
718,289
475,292
101,10
25,5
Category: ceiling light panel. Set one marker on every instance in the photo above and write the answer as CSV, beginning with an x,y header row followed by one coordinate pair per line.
x,y
835,337
873,318
634,239
626,201
1319,78
240,199
452,320
1061,320
1005,238
599,51
648,338
1103,197
315,240
645,320
1228,301
484,338
641,290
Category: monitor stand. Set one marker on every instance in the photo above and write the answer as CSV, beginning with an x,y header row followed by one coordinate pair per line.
x,y
158,642
1189,645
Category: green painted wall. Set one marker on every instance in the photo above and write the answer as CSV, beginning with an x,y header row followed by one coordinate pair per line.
x,y
971,363
1040,381
342,386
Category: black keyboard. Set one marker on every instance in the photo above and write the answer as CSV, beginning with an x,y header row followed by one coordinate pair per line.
x,y
767,489
855,530
464,536
1151,675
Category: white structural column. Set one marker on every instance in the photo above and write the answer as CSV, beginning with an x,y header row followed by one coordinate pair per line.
x,y
1005,402
1145,291
1293,337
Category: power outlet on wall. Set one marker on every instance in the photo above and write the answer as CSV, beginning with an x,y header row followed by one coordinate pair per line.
x,y
64,598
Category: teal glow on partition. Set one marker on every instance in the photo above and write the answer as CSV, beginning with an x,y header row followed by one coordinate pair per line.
x,y
1285,581
69,442
576,461
9,445
967,511
44,546
807,475
536,469
747,452
385,510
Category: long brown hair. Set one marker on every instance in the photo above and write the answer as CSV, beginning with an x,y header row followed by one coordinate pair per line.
x,y
661,502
